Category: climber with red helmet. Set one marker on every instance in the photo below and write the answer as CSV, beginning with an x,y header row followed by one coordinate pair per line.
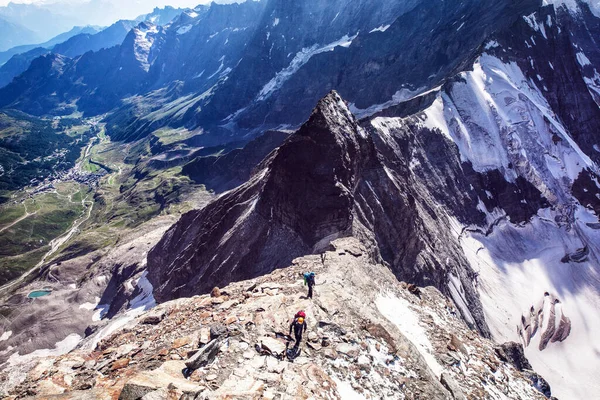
x,y
299,326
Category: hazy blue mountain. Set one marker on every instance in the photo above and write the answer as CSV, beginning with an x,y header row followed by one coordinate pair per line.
x,y
6,55
47,21
82,43
18,64
12,34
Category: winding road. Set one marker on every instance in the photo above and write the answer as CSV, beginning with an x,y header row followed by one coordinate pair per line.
x,y
27,214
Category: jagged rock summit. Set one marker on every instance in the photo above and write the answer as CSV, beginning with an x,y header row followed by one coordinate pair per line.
x,y
321,184
299,196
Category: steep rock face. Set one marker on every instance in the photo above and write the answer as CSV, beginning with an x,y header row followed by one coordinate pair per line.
x,y
326,181
560,57
259,65
523,184
207,45
278,214
287,88
33,89
148,56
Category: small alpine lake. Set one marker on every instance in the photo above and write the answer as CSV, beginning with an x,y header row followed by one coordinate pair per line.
x,y
39,293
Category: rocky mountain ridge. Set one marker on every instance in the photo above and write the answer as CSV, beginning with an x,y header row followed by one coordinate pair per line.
x,y
381,341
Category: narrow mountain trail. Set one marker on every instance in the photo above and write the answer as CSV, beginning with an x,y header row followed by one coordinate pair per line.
x,y
27,215
368,336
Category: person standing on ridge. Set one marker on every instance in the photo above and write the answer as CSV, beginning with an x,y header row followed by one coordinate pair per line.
x,y
309,279
299,326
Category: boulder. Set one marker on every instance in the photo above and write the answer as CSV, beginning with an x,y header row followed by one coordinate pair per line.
x,y
168,376
347,349
163,394
414,289
216,292
450,384
379,331
275,366
154,317
458,345
204,356
331,327
235,388
180,342
272,345
514,354
122,363
217,331
204,336
228,304
540,384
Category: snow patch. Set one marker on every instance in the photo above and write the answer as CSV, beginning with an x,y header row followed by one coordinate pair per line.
x,y
5,336
573,7
301,58
382,28
144,300
346,391
101,311
582,59
144,39
492,44
184,29
90,306
435,119
398,311
400,96
60,348
516,266
458,295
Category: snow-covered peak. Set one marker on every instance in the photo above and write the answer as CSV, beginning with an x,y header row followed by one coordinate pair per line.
x,y
145,34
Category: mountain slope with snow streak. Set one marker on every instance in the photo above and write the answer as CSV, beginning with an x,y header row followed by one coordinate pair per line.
x,y
500,119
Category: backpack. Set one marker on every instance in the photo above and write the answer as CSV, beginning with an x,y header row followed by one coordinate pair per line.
x,y
309,278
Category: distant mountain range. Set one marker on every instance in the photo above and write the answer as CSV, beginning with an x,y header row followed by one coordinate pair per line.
x,y
76,42
45,21
77,30
13,34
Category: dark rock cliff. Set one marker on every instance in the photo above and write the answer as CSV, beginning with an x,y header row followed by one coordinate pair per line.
x,y
326,181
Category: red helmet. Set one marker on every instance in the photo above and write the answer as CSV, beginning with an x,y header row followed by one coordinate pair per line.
x,y
300,313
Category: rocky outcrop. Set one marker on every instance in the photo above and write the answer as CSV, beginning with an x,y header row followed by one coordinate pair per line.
x,y
514,354
545,321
